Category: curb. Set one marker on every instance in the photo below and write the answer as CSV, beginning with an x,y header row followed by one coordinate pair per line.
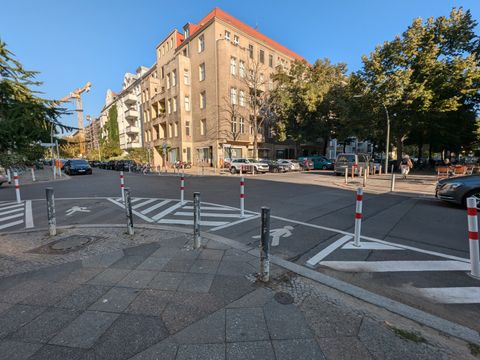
x,y
421,317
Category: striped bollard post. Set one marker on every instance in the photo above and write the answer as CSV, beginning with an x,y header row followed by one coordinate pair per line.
x,y
9,176
182,188
122,185
33,174
346,175
473,237
17,187
353,171
242,197
358,217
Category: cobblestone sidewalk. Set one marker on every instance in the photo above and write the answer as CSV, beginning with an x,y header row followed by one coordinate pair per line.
x,y
152,296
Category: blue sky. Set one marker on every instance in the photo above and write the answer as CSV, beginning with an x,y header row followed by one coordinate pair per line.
x,y
71,43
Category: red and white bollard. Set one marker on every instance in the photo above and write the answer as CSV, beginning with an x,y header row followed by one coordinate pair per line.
x,y
182,188
17,187
122,185
358,217
242,196
473,237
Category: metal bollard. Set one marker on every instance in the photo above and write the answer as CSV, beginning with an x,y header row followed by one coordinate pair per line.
x,y
182,188
473,237
360,172
365,178
9,176
265,246
33,174
358,217
242,197
346,175
128,210
353,171
122,185
380,170
52,219
196,220
392,182
17,187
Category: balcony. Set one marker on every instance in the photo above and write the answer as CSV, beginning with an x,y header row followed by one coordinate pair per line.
x,y
132,145
132,129
131,114
130,99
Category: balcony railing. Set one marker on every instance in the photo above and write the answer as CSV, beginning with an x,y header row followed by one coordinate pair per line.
x,y
132,129
130,99
131,114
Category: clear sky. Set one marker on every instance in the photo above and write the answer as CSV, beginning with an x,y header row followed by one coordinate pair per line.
x,y
72,42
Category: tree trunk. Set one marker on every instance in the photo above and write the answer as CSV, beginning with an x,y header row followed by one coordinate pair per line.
x,y
399,144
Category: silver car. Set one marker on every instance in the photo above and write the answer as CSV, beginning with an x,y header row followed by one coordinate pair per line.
x,y
248,165
292,165
458,189
347,161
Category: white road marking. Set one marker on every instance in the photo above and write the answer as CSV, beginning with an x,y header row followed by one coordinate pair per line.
x,y
143,203
211,208
11,211
28,215
396,266
9,203
234,223
276,234
190,222
11,217
141,216
156,206
167,211
328,250
369,245
452,295
11,224
75,209
135,199
204,214
13,206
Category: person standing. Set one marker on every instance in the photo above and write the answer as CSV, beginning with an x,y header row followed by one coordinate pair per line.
x,y
405,166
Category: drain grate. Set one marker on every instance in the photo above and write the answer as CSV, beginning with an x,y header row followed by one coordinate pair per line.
x,y
67,244
283,298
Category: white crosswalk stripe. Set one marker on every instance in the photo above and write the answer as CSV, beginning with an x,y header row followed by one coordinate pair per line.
x,y
13,214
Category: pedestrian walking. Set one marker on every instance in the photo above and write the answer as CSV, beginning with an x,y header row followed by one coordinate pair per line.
x,y
405,166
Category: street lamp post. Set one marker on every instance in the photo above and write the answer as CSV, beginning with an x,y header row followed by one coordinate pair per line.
x,y
387,140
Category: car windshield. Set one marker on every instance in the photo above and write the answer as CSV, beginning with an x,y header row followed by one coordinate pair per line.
x,y
346,158
79,162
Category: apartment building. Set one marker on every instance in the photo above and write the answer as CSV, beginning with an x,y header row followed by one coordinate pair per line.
x,y
129,110
93,132
200,108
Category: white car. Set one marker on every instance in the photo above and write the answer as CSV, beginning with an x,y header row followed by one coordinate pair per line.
x,y
292,165
247,165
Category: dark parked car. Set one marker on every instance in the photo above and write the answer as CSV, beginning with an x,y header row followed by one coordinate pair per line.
x,y
77,167
110,165
274,166
458,189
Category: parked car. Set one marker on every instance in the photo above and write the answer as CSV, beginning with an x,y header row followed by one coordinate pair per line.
x,y
274,166
458,189
248,164
110,165
77,167
347,161
319,162
3,175
293,165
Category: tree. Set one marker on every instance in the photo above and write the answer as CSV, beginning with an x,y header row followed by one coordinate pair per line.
x,y
112,125
25,118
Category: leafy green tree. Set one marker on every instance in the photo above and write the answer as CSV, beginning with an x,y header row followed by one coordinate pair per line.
x,y
25,118
112,125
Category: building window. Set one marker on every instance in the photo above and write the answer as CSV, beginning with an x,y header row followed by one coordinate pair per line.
x,y
234,125
227,35
203,100
187,128
203,126
250,75
170,130
242,98
174,101
270,60
261,78
189,154
233,66
186,77
233,96
169,106
168,81
163,50
201,43
250,51
187,103
242,69
162,72
175,129
261,56
201,72
242,125
174,78
171,43
236,40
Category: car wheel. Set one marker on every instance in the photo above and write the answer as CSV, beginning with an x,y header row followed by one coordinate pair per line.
x,y
324,167
233,170
474,193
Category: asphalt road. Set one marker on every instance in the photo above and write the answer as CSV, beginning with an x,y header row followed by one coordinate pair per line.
x,y
414,249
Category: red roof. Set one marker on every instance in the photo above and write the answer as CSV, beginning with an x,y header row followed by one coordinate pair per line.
x,y
220,14
180,38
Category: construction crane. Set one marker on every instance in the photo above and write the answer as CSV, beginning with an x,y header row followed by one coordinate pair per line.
x,y
77,95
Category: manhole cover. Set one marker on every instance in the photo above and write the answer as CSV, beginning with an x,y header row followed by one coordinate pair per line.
x,y
66,244
283,298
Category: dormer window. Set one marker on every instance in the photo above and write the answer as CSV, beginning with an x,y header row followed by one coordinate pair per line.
x,y
227,35
187,33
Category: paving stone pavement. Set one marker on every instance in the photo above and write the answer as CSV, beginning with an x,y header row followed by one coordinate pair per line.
x,y
158,298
